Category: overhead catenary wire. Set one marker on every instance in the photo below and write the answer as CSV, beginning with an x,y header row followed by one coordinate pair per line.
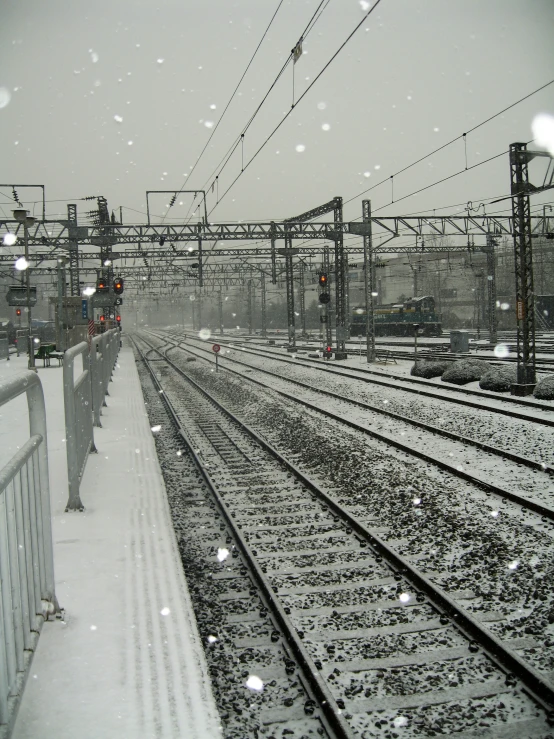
x,y
462,136
240,138
233,94
285,117
304,35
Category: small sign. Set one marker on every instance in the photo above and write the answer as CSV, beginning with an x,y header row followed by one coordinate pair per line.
x,y
84,308
119,301
216,348
520,310
17,295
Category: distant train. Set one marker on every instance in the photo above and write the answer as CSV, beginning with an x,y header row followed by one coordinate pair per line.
x,y
398,319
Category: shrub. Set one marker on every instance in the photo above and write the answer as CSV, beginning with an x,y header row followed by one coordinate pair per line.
x,y
545,388
465,370
498,379
429,369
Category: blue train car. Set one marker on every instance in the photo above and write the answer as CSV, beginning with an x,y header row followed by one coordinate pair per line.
x,y
398,319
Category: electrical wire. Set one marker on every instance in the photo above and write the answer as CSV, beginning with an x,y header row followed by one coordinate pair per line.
x,y
278,126
452,141
240,138
231,98
220,167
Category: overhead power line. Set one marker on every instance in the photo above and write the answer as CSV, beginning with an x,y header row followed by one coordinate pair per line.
x,y
233,93
240,138
278,126
462,136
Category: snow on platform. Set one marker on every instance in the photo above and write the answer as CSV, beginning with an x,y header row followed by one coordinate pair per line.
x,y
127,660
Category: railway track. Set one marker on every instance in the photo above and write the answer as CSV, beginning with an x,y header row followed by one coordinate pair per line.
x,y
506,405
377,646
403,433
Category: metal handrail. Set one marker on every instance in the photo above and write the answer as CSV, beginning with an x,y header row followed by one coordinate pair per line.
x,y
103,356
26,552
79,437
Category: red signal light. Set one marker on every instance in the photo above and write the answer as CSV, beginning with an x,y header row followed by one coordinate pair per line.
x,y
18,311
323,279
102,319
328,349
118,319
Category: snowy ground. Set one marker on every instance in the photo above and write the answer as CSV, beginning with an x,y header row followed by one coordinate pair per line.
x,y
126,661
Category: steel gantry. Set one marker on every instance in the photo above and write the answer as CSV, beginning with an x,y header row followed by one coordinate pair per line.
x,y
160,249
521,188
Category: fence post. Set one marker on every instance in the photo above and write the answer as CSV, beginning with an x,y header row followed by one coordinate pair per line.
x,y
79,436
96,360
26,553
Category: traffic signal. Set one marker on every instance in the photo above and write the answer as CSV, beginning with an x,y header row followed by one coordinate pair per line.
x,y
102,286
324,296
102,319
118,286
118,319
18,311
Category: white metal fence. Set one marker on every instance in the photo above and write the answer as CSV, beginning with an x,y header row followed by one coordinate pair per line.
x,y
26,555
103,355
79,437
83,399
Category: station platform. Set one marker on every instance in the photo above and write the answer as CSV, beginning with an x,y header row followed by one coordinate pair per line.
x,y
126,659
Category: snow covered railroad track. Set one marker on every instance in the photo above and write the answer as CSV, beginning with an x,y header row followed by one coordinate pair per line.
x,y
535,411
496,470
392,650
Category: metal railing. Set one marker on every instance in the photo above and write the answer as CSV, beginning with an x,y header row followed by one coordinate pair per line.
x,y
83,400
79,437
103,356
4,345
26,554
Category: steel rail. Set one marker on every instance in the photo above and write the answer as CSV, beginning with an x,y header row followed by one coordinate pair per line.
x,y
326,702
535,683
343,372
483,446
532,505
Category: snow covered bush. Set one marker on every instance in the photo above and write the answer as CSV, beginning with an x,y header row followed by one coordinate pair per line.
x,y
499,379
545,388
429,369
465,370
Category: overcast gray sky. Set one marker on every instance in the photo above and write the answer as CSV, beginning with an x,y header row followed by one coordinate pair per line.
x,y
414,76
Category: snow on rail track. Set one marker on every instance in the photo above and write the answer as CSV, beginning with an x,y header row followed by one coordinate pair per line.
x,y
390,657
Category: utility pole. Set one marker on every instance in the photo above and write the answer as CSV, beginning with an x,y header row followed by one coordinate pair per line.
x,y
523,258
249,305
264,326
327,308
60,323
290,292
220,311
302,297
340,279
73,250
273,256
369,283
491,288
22,216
